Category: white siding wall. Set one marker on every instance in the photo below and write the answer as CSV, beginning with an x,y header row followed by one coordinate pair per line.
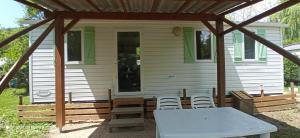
x,y
163,70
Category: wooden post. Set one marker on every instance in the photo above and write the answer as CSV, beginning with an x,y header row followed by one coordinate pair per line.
x,y
184,93
262,93
220,63
292,90
109,98
70,101
70,98
59,73
20,100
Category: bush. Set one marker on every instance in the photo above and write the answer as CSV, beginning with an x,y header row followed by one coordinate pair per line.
x,y
291,72
20,91
17,91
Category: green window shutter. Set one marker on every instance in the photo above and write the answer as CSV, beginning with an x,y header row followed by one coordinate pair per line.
x,y
238,45
189,47
213,48
262,50
89,46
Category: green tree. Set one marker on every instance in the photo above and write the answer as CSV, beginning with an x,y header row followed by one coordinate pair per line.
x,y
14,50
289,16
291,72
11,53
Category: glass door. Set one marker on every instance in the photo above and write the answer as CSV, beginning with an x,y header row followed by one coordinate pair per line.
x,y
129,78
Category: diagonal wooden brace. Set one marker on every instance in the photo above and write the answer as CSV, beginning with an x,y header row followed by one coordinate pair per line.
x,y
267,43
264,14
14,69
19,34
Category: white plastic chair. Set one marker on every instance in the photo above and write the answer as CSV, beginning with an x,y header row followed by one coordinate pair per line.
x,y
168,103
202,100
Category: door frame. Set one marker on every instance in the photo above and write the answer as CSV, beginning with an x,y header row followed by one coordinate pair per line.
x,y
115,79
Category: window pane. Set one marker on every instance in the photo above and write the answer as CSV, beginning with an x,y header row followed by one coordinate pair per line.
x,y
203,44
74,45
249,48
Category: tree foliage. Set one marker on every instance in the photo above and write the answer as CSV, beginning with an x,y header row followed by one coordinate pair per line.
x,y
289,16
14,50
291,72
11,53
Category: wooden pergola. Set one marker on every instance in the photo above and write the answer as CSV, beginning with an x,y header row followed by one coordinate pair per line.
x,y
57,11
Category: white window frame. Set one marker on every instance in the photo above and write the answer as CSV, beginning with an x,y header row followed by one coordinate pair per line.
x,y
255,50
195,46
66,48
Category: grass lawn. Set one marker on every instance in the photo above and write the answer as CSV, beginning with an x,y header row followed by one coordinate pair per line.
x,y
10,126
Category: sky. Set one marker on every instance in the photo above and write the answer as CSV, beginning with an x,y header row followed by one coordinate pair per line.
x,y
10,12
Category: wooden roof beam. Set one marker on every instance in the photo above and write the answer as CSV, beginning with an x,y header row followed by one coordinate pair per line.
x,y
27,3
70,25
155,5
14,69
241,6
183,6
93,5
264,14
211,7
64,5
137,16
19,34
267,43
123,5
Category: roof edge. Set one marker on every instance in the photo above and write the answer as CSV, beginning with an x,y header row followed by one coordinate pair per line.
x,y
255,24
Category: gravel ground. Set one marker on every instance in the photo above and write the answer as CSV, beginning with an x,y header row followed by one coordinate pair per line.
x,y
100,130
288,123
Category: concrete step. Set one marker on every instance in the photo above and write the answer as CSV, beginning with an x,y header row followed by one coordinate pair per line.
x,y
127,110
130,122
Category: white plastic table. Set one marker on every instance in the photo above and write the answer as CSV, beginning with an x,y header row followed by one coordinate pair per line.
x,y
209,123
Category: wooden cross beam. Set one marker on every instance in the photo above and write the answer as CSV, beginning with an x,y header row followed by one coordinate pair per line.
x,y
210,27
25,2
19,34
267,43
14,69
264,14
70,25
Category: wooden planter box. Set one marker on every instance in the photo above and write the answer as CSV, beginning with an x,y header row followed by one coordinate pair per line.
x,y
254,105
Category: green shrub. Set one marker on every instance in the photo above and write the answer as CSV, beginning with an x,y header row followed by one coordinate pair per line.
x,y
16,91
21,91
291,73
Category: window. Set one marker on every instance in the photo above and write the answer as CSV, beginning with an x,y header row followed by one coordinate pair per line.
x,y
249,48
203,45
74,46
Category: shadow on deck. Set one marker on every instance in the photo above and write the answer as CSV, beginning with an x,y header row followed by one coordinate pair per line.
x,y
101,130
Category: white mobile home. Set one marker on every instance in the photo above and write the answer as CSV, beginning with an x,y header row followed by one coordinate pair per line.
x,y
151,58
